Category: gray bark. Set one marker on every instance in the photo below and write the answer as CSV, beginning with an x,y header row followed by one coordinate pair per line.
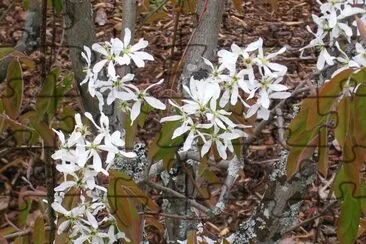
x,y
79,29
279,206
203,44
129,21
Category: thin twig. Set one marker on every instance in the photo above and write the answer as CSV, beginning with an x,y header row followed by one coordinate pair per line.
x,y
47,150
195,204
232,174
22,233
11,223
321,213
173,216
280,125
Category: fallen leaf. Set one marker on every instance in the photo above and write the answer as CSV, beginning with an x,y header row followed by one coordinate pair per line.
x,y
101,17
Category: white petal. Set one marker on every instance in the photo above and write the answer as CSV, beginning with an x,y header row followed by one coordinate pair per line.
x,y
99,66
63,227
171,118
188,143
92,220
127,37
221,149
155,103
280,95
65,185
180,131
206,146
128,154
144,56
111,70
254,46
58,208
97,162
278,87
140,45
135,111
137,60
97,47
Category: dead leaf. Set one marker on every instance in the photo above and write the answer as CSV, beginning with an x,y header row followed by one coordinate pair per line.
x,y
362,28
118,26
101,17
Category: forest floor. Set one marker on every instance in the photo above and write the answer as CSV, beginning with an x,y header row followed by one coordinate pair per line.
x,y
281,25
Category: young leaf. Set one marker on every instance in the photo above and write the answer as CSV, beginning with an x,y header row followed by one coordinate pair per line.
x,y
323,151
343,120
25,205
328,95
359,118
57,5
4,51
131,130
45,132
163,147
45,102
122,191
39,231
349,220
14,89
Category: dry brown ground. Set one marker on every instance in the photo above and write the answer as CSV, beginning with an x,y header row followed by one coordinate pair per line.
x,y
283,25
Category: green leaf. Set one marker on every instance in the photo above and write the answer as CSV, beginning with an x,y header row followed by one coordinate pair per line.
x,y
362,197
46,99
205,172
39,231
14,90
302,144
323,151
25,205
343,120
60,93
163,147
359,77
145,110
131,130
189,6
121,193
359,118
67,122
26,60
339,180
3,124
4,51
47,134
26,4
326,98
57,5
349,220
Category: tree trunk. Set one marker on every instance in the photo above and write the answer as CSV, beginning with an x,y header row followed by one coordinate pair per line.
x,y
279,206
79,29
203,43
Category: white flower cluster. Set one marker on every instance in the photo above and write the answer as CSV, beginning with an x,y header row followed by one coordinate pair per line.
x,y
205,115
333,25
80,164
117,53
